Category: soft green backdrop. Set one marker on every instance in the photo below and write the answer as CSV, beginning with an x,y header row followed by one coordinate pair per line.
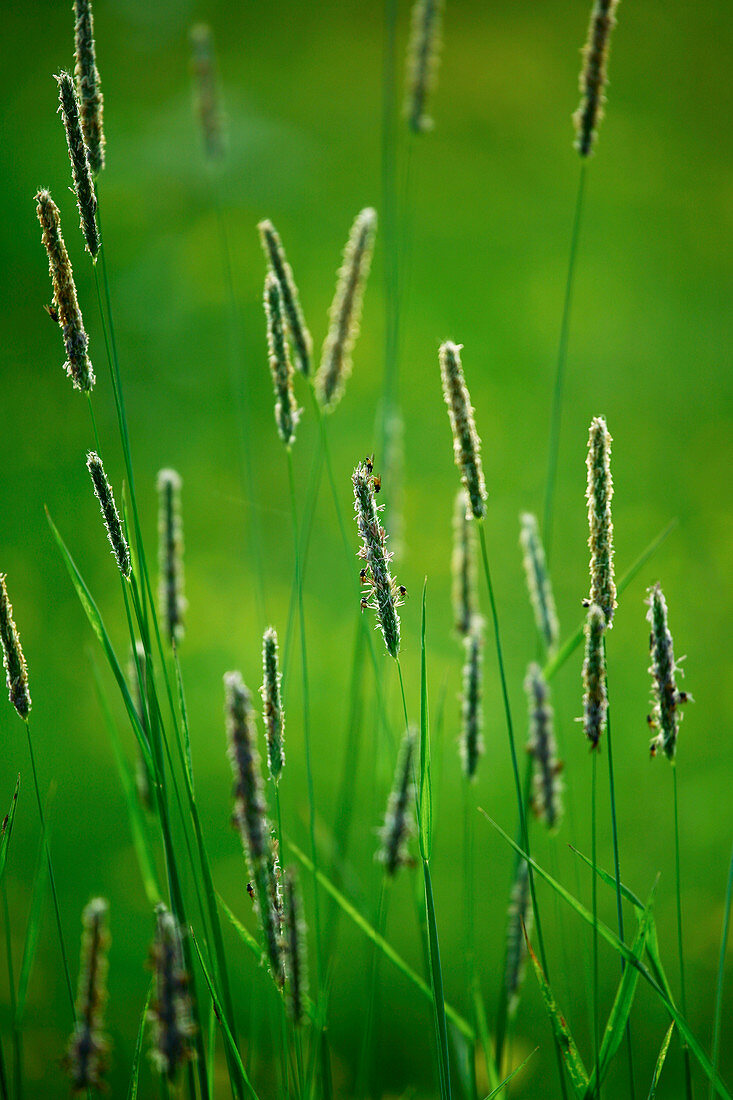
x,y
490,203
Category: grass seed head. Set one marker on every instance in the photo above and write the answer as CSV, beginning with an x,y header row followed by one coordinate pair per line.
x,y
600,523
65,307
666,696
519,914
593,75
139,692
295,948
345,311
16,670
464,566
595,699
86,1055
170,1012
88,84
422,62
547,784
398,825
472,743
300,338
287,412
383,594
272,704
466,443
81,171
206,91
170,554
538,582
110,515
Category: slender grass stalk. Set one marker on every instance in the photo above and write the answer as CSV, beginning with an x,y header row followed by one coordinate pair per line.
x,y
364,1079
594,903
469,907
17,1033
721,975
680,948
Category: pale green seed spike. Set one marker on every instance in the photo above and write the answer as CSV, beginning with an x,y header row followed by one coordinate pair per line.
x,y
80,168
88,85
16,669
87,1051
600,539
519,917
170,554
471,742
383,594
667,697
538,582
287,412
422,62
466,443
170,1013
110,515
546,781
345,313
272,705
298,333
296,954
398,824
464,566
206,91
595,699
593,75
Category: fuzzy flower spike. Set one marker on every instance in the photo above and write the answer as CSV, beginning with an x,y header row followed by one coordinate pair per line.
x,y
103,493
600,539
547,792
422,62
170,1013
170,554
272,704
667,697
295,945
206,91
287,412
86,1055
16,670
538,582
472,743
595,699
466,443
464,566
64,308
80,168
383,594
88,85
593,76
300,337
398,824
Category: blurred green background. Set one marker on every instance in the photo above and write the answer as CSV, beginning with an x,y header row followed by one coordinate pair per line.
x,y
486,223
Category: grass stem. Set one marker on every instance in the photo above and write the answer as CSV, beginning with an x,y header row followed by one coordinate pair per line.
x,y
721,975
594,906
683,989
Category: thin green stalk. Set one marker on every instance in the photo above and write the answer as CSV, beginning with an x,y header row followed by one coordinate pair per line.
x,y
594,887
390,120
469,918
683,991
556,416
363,1082
17,1035
721,975
51,876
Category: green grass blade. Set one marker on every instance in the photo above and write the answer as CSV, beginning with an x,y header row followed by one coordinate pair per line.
x,y
721,968
660,1061
137,1057
571,1056
436,981
426,790
33,930
495,1091
386,948
482,1028
7,828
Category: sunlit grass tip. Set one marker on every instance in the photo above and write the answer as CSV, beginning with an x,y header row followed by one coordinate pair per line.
x,y
250,816
463,565
667,697
593,75
595,698
345,313
110,515
272,704
466,442
519,916
599,492
538,581
382,593
298,333
398,825
422,62
80,168
206,91
295,948
170,1011
87,1052
170,553
471,741
287,412
16,669
547,784
88,84
64,308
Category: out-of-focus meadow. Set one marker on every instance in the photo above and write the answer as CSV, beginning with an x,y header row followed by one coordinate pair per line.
x,y
484,245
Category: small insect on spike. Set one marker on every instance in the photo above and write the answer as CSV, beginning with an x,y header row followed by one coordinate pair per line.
x,y
345,311
86,1055
170,554
547,784
300,338
170,1013
287,412
88,85
422,62
472,745
206,91
595,700
593,75
600,540
295,946
538,582
464,566
250,816
384,595
518,915
466,443
272,705
80,169
398,824
65,307
103,493
667,697
16,670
